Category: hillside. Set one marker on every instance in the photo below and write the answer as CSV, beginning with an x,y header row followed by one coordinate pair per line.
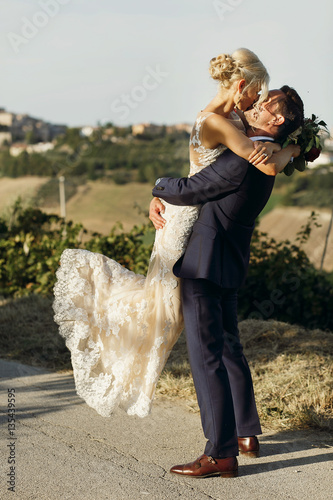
x,y
25,187
284,222
99,205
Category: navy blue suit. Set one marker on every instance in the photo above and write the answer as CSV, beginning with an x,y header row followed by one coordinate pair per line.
x,y
214,265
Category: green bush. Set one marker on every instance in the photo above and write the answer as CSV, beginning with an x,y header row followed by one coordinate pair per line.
x,y
129,249
311,188
282,284
30,248
24,164
32,242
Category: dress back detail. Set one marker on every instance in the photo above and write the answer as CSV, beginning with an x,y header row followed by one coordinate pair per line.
x,y
200,156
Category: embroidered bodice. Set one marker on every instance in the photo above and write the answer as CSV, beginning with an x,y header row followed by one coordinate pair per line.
x,y
200,156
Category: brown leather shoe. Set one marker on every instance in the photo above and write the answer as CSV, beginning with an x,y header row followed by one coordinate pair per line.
x,y
205,466
249,446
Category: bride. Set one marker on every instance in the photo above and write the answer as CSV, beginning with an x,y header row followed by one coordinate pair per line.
x,y
120,327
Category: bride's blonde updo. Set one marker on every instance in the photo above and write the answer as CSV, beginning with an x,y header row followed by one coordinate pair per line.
x,y
242,64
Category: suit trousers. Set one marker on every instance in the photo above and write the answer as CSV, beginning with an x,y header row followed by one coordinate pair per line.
x,y
221,374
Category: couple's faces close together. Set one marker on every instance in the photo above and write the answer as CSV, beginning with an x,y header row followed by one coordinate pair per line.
x,y
266,115
246,96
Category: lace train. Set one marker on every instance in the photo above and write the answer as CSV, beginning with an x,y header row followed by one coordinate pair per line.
x,y
119,326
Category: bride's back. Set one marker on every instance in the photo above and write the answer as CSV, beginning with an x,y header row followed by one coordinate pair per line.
x,y
201,156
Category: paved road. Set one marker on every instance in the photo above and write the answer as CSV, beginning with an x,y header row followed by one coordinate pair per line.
x,y
65,450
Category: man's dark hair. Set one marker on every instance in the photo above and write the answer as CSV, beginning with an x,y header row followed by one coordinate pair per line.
x,y
292,108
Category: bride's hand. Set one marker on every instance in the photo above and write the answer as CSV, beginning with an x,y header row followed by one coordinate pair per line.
x,y
263,151
156,208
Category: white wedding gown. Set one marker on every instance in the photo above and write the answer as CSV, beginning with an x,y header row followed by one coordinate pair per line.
x,y
119,326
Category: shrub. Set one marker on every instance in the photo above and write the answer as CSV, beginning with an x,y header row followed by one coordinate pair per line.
x,y
311,188
32,242
30,249
128,249
283,284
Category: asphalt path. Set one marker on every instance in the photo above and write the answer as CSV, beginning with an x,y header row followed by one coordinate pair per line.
x,y
64,450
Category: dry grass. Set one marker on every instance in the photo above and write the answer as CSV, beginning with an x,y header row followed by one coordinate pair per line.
x,y
29,334
292,371
292,367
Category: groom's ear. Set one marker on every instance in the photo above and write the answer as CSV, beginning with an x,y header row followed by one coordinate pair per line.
x,y
278,120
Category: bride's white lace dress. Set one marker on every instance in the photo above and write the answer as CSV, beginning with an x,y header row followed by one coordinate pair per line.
x,y
119,326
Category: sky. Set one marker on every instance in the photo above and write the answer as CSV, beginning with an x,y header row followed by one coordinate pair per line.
x,y
78,62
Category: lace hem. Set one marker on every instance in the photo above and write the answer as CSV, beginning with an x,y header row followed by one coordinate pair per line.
x,y
120,328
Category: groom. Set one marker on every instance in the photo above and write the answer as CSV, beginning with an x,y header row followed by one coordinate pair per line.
x,y
233,192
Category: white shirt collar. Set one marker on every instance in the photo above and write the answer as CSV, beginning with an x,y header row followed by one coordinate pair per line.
x,y
262,138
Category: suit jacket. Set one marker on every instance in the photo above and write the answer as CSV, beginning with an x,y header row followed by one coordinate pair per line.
x,y
233,193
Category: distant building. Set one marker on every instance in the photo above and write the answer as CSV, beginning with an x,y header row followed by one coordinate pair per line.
x,y
151,129
87,131
17,148
147,128
6,118
25,128
179,127
41,147
108,134
57,129
5,137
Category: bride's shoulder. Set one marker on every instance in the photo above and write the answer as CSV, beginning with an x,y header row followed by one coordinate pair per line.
x,y
214,120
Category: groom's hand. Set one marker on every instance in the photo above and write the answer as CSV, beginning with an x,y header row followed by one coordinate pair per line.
x,y
156,208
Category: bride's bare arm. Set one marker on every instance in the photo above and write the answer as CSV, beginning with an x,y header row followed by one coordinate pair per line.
x,y
220,130
279,160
